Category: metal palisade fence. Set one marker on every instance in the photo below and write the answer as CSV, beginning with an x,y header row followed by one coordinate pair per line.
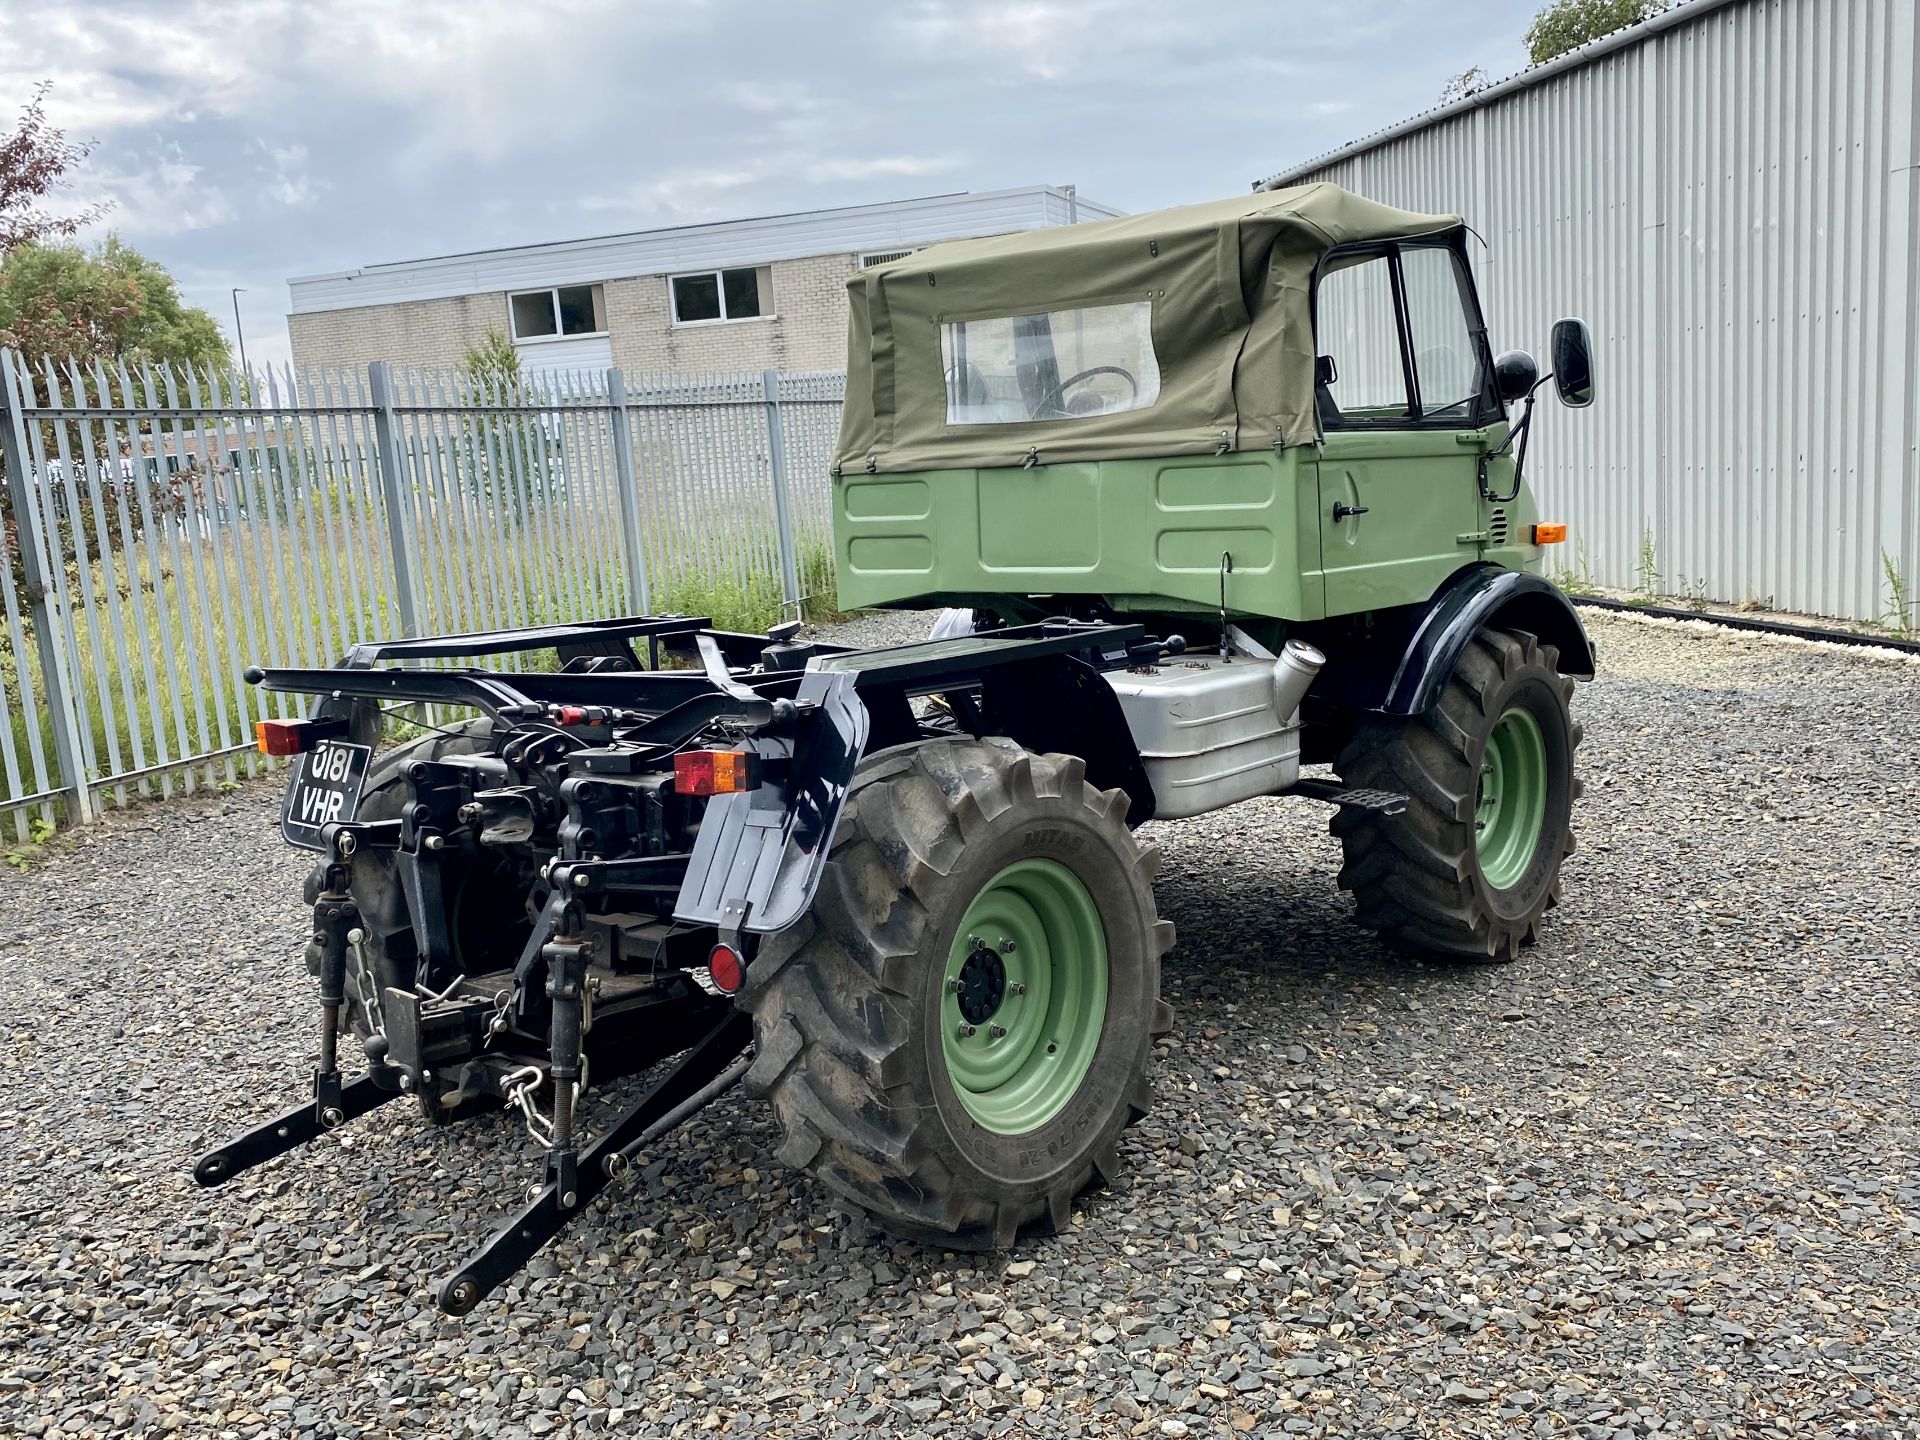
x,y
166,528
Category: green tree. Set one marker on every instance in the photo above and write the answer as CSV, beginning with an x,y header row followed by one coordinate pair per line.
x,y
492,360
1568,24
506,458
106,302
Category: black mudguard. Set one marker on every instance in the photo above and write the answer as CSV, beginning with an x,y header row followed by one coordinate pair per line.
x,y
1402,662
757,859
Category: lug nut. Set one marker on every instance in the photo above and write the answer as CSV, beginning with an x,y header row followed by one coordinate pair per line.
x,y
1018,988
953,984
1007,947
966,1031
999,1032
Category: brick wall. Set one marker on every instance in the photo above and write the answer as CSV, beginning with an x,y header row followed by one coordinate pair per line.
x,y
807,331
430,334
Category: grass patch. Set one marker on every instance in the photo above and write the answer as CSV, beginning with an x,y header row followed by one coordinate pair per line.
x,y
161,628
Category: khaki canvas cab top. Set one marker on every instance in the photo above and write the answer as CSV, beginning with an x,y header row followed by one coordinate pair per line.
x,y
1180,331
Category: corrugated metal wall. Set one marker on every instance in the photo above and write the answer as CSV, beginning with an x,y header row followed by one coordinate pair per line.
x,y
1734,206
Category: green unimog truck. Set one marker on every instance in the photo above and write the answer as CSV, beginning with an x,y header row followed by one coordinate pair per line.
x,y
1211,495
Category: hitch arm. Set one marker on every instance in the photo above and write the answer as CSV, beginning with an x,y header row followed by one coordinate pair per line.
x,y
290,1131
544,1217
336,923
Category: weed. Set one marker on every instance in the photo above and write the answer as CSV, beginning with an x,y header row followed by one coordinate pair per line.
x,y
1694,593
1577,579
39,831
1900,601
1647,570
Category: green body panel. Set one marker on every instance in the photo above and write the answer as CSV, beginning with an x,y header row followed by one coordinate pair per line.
x,y
1148,535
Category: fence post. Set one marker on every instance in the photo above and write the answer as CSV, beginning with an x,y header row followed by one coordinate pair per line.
x,y
393,492
782,512
639,596
46,616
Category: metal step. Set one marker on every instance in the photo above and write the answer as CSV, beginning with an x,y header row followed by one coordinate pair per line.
x,y
1379,802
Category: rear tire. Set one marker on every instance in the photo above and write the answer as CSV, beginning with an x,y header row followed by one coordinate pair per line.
x,y
1471,866
942,1135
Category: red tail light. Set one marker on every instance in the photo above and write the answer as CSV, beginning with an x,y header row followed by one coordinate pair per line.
x,y
295,737
729,971
715,772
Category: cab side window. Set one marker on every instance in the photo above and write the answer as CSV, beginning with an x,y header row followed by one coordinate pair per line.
x,y
1361,377
1398,341
1446,352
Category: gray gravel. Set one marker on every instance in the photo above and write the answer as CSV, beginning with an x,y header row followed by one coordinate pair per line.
x,y
1657,1177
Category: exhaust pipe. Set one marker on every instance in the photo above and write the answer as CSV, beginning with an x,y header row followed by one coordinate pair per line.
x,y
1293,672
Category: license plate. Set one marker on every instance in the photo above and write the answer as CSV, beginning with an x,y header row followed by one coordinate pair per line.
x,y
324,789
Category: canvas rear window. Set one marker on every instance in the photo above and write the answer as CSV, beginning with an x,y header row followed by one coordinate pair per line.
x,y
1050,365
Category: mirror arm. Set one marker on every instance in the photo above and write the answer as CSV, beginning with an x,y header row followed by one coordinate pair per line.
x,y
1522,432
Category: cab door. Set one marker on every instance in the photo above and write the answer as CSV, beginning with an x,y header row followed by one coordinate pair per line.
x,y
1406,411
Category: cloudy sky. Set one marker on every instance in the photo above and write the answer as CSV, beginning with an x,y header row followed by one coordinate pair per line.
x,y
244,141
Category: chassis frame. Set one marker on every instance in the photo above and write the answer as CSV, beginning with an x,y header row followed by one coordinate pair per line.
x,y
751,870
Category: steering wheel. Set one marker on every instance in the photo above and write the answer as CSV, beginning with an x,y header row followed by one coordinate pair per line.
x,y
1053,403
966,386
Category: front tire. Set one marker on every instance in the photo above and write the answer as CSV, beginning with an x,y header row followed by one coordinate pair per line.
x,y
1471,866
955,1035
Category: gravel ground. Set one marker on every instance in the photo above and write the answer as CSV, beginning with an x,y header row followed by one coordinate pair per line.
x,y
1657,1177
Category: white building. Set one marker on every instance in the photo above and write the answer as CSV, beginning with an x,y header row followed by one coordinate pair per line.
x,y
733,295
1730,194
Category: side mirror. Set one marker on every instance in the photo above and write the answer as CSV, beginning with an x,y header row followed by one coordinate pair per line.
x,y
1572,351
1515,373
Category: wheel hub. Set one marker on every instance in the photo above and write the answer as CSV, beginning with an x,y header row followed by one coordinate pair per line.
x,y
1511,801
1024,996
983,985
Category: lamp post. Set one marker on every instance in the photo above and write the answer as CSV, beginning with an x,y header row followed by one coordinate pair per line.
x,y
240,334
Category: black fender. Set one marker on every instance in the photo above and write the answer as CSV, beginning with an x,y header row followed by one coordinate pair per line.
x,y
1058,702
1402,662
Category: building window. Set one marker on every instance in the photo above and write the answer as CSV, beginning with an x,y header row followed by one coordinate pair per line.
x,y
713,296
881,257
562,311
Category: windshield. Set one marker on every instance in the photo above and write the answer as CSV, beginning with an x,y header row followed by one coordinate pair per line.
x,y
1051,365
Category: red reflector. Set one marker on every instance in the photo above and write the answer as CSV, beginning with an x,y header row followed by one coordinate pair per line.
x,y
715,772
285,737
729,971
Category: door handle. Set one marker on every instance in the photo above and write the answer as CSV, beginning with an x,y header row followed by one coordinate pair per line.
x,y
1341,510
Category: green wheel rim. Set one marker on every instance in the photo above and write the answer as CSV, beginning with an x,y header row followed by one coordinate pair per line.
x,y
1512,804
1023,996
